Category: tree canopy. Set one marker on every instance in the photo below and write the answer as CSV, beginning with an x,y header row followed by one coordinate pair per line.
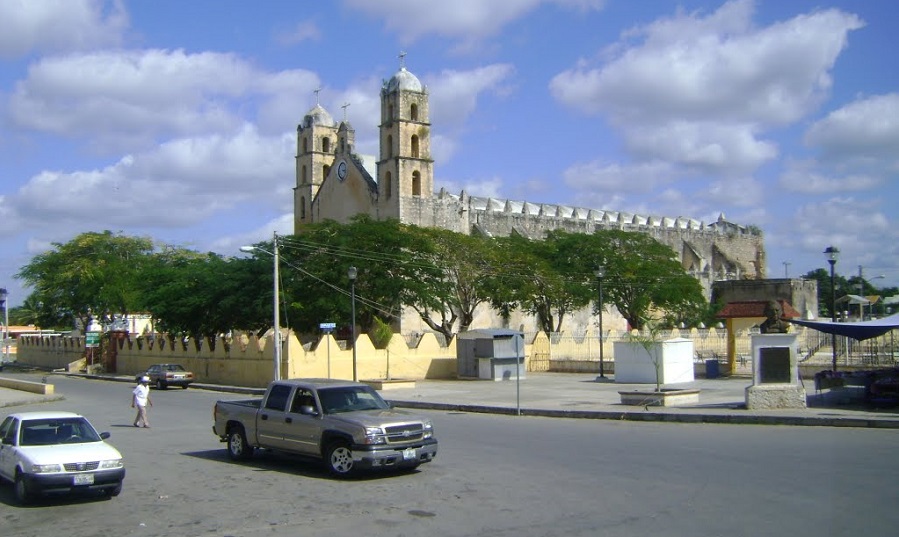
x,y
443,276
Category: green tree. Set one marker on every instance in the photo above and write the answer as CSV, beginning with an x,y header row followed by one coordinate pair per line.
x,y
536,277
200,296
93,275
455,267
643,277
822,276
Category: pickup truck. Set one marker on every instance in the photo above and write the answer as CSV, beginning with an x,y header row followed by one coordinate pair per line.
x,y
345,424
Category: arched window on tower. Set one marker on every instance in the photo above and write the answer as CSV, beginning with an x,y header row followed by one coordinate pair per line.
x,y
303,176
325,170
305,145
389,113
415,146
389,146
303,208
416,183
326,145
413,112
342,145
388,184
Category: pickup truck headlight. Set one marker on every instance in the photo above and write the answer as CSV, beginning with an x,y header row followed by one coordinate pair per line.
x,y
427,429
111,464
375,435
46,468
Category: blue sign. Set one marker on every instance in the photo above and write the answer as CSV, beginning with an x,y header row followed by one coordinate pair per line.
x,y
327,326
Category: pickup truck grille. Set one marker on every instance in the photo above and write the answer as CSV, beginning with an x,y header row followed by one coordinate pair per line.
x,y
404,433
81,466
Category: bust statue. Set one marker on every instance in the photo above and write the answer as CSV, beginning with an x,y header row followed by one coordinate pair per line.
x,y
774,324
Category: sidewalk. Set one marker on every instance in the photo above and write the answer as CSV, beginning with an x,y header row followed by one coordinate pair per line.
x,y
571,395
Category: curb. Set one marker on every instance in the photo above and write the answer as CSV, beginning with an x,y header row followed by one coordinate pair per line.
x,y
626,415
729,419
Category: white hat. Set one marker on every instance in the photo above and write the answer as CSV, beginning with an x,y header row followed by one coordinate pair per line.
x,y
145,379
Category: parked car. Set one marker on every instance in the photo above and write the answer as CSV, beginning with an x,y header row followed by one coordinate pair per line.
x,y
164,375
57,453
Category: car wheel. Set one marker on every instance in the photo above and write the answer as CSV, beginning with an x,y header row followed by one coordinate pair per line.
x,y
23,495
339,458
160,385
184,386
238,447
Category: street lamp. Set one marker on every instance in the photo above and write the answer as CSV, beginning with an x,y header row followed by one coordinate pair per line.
x,y
600,272
277,303
5,332
351,274
831,253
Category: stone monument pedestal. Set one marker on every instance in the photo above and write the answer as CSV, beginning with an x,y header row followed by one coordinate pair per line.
x,y
775,373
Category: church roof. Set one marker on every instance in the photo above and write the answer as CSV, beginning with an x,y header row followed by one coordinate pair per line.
x,y
318,116
404,80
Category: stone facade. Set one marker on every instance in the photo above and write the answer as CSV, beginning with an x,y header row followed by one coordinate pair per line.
x,y
335,183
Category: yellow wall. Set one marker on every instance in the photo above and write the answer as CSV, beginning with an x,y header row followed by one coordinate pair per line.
x,y
249,361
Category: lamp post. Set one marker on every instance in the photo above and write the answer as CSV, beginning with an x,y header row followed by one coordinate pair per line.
x,y
276,303
351,274
5,332
600,272
831,253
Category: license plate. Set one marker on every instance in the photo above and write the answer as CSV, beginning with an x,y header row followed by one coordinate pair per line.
x,y
409,454
179,377
84,479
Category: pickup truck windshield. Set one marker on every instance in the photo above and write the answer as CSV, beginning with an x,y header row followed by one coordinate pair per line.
x,y
350,398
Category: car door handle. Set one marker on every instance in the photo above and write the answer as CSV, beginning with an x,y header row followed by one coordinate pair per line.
x,y
288,420
264,417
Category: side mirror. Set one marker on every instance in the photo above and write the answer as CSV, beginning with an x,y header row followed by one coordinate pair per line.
x,y
308,410
104,436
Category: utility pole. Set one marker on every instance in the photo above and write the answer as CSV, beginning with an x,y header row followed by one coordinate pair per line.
x,y
787,269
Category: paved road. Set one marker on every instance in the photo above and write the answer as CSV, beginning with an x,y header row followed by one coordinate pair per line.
x,y
496,475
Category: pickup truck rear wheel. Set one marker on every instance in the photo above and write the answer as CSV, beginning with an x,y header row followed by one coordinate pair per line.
x,y
339,458
238,447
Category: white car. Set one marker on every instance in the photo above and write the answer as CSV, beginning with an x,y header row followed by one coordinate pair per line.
x,y
57,452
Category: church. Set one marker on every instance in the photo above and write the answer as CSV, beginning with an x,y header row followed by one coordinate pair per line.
x,y
333,182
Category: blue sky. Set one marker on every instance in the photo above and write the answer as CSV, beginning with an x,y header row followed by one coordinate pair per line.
x,y
177,119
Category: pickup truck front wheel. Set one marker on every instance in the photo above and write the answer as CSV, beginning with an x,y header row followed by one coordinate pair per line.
x,y
238,447
339,458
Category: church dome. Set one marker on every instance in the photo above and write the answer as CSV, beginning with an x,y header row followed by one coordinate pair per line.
x,y
404,80
318,116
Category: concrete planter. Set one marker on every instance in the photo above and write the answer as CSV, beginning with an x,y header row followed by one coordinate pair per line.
x,y
665,397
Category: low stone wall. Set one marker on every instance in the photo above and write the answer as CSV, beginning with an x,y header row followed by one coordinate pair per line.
x,y
26,386
249,361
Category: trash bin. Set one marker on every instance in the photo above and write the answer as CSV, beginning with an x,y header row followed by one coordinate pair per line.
x,y
711,369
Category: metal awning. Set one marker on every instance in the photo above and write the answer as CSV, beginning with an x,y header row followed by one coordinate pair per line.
x,y
859,330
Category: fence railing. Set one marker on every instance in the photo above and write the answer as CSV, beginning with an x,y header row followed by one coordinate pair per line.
x,y
814,347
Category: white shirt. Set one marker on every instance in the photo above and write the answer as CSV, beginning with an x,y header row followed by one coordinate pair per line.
x,y
141,394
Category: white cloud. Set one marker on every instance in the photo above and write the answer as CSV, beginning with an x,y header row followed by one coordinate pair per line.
x,y
613,177
857,227
454,94
301,31
486,188
180,183
59,25
130,98
701,90
865,129
806,177
468,20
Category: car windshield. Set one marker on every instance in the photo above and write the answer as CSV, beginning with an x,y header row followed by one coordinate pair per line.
x,y
350,398
46,432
